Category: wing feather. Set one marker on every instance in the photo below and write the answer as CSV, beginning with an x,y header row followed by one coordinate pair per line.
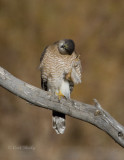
x,y
43,81
43,53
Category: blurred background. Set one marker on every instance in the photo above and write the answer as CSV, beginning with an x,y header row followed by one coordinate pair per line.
x,y
26,27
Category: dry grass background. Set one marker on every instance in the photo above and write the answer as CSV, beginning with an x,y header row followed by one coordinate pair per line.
x,y
26,27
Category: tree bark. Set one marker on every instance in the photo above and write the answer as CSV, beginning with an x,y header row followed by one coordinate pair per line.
x,y
93,114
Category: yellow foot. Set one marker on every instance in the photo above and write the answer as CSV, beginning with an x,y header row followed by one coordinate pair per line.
x,y
60,95
68,76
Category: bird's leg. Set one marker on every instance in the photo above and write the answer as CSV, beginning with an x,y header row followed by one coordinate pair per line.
x,y
60,95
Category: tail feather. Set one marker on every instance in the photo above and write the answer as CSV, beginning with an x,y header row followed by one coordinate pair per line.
x,y
58,122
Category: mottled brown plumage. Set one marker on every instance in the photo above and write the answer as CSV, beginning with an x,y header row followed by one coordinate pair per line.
x,y
60,69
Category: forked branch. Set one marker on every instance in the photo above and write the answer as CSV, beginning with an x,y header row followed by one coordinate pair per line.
x,y
93,114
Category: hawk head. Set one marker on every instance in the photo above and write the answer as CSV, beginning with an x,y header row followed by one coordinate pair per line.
x,y
66,46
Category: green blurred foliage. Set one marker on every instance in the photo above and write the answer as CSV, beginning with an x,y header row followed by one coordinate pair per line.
x,y
26,27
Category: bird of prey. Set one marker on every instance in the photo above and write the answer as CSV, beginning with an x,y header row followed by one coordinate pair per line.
x,y
60,68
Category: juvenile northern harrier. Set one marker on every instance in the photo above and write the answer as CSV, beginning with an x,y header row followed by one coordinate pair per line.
x,y
60,69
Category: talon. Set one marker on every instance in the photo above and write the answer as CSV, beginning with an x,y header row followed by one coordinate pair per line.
x,y
68,76
60,95
77,58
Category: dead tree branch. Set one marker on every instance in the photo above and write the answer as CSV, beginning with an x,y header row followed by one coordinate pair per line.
x,y
95,115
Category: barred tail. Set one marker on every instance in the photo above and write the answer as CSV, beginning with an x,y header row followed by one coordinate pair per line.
x,y
58,122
